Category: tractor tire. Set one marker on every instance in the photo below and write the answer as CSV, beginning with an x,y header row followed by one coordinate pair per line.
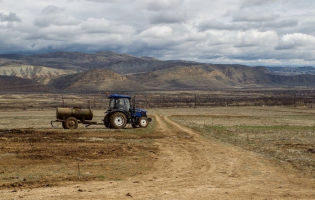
x,y
118,120
143,122
135,125
71,123
106,121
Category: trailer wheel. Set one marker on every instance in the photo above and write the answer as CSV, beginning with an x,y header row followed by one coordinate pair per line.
x,y
118,120
64,125
143,122
106,120
71,123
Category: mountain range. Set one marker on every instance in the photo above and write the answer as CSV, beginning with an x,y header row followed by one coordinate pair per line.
x,y
110,71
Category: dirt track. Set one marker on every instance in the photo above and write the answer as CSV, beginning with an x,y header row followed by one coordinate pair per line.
x,y
189,166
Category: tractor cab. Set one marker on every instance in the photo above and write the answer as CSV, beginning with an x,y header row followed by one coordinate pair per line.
x,y
119,102
120,112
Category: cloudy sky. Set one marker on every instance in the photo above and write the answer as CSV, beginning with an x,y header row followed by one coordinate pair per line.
x,y
250,32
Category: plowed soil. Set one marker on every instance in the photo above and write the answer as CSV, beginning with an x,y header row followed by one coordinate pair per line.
x,y
172,162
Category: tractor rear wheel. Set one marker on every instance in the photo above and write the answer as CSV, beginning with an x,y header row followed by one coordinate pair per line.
x,y
71,123
143,122
118,120
106,121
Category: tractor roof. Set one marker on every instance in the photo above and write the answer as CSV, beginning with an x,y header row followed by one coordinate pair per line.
x,y
116,96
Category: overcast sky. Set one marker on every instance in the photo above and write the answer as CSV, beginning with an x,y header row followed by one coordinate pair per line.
x,y
250,32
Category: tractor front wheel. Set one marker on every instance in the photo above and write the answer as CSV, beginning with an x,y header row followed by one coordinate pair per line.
x,y
118,120
143,122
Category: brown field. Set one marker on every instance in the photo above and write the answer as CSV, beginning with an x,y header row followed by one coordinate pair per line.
x,y
261,152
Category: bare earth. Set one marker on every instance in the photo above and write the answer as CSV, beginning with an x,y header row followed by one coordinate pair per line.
x,y
189,166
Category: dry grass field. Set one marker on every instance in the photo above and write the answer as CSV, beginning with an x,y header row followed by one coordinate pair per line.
x,y
284,133
219,152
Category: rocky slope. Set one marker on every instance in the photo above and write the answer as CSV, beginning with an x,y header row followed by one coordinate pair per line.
x,y
291,70
36,73
121,63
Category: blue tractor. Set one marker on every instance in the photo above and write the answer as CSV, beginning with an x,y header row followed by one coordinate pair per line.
x,y
120,112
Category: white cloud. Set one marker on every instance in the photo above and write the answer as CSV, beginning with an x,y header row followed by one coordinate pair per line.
x,y
156,32
255,38
296,41
53,15
93,25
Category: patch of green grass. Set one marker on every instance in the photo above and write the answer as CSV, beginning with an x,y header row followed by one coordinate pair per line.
x,y
101,177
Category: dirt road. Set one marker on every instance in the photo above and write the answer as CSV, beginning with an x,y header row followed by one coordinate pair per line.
x,y
189,166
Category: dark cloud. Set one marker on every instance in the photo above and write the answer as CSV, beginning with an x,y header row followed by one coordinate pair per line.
x,y
251,3
52,10
168,17
11,17
154,5
250,15
216,25
106,1
281,24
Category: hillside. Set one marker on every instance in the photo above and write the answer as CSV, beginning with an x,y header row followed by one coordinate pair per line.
x,y
109,71
14,84
95,80
181,77
209,77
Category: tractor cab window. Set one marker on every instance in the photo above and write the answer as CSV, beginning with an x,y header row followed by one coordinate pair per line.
x,y
111,104
119,103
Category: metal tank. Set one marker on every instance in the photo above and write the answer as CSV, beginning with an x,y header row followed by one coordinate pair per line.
x,y
76,112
